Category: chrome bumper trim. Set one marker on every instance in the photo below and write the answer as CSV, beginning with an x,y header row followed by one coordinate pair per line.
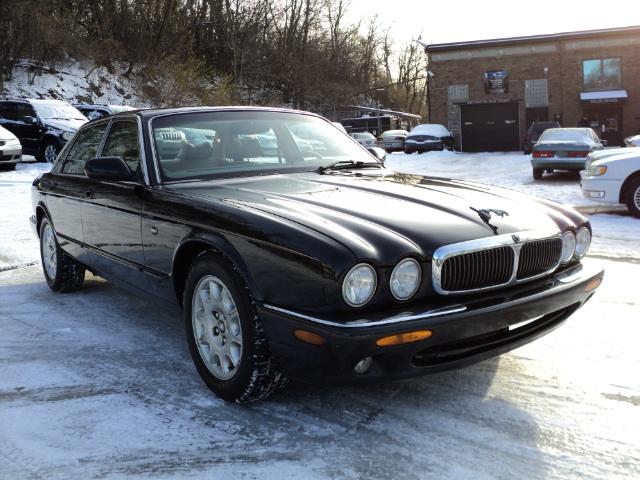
x,y
400,318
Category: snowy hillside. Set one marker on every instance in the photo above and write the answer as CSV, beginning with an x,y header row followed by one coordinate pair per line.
x,y
76,82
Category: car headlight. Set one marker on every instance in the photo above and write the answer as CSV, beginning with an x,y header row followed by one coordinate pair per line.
x,y
568,247
583,242
596,171
359,285
68,135
405,279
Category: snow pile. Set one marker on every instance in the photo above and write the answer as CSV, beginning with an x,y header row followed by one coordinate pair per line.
x,y
76,82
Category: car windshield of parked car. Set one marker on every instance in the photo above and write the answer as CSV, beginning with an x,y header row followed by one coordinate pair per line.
x,y
363,136
580,135
203,145
58,111
394,132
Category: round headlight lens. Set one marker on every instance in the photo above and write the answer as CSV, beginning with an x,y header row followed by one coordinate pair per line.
x,y
405,279
568,247
583,242
68,135
359,285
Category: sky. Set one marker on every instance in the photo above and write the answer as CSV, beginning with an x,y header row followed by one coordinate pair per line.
x,y
458,20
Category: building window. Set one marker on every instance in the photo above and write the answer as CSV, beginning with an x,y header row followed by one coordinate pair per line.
x,y
536,93
458,93
602,73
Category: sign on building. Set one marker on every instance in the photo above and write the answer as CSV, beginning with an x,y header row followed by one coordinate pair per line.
x,y
496,81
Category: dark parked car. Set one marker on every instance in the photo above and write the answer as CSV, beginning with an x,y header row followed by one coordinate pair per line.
x,y
563,149
324,267
42,126
427,137
533,134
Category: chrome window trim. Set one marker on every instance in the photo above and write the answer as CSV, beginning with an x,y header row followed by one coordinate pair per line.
x,y
514,240
400,318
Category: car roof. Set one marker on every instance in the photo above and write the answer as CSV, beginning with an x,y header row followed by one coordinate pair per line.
x,y
148,113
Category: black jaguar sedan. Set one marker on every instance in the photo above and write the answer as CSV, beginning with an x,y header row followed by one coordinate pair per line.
x,y
305,258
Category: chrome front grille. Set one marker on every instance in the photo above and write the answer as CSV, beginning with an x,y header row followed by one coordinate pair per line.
x,y
495,262
470,271
538,256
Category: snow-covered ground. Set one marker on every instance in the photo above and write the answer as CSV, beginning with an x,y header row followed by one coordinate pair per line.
x,y
99,384
74,82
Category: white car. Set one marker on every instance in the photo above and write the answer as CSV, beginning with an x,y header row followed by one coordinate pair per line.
x,y
365,139
392,140
10,150
633,141
614,179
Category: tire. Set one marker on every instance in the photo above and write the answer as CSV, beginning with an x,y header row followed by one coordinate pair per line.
x,y
62,273
407,152
244,372
632,196
49,151
537,173
7,167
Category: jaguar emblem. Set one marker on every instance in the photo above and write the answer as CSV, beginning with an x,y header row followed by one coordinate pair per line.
x,y
485,216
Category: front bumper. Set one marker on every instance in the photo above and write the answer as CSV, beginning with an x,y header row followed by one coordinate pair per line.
x,y
424,147
463,333
599,188
10,154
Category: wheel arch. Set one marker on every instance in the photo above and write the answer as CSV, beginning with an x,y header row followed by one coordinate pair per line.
x,y
41,212
627,184
198,244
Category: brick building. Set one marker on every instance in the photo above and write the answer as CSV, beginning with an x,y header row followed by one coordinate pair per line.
x,y
488,92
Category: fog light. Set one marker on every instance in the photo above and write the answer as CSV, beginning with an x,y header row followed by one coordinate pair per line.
x,y
363,365
401,338
309,337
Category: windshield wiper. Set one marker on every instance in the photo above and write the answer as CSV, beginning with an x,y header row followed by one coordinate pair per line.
x,y
347,164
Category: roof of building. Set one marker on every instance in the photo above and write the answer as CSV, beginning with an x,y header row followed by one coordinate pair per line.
x,y
604,32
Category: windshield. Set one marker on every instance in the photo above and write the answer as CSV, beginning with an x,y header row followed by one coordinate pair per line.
x,y
205,145
58,111
568,135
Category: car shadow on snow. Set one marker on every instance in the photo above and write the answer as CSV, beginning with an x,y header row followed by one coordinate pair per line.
x,y
449,423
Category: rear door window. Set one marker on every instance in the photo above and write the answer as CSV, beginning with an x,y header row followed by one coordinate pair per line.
x,y
84,148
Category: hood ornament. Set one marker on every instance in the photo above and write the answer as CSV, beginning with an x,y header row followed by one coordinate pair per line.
x,y
485,216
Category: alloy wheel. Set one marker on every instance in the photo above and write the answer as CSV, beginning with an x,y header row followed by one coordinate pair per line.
x,y
216,327
49,254
50,153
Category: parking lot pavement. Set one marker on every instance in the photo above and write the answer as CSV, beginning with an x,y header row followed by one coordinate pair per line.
x,y
98,383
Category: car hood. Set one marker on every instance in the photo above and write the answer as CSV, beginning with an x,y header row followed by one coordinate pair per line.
x,y
385,216
6,135
66,125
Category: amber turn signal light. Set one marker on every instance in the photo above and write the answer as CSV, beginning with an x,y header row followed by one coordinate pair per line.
x,y
592,284
308,337
401,338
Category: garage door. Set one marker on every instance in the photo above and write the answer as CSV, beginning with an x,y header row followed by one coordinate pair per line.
x,y
490,127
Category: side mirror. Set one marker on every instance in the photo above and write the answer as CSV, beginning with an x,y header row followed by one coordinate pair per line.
x,y
30,120
108,168
377,152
